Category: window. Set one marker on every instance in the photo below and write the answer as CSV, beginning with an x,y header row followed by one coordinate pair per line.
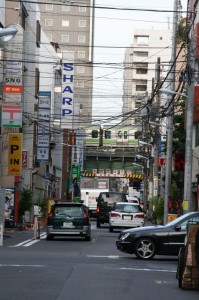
x,y
141,88
119,134
38,34
48,22
141,71
143,40
94,134
82,8
141,53
65,23
65,38
81,38
65,7
81,54
37,75
49,36
82,23
49,6
80,70
125,134
107,134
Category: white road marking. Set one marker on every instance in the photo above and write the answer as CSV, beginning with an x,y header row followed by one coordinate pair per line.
x,y
105,256
148,270
11,265
30,242
22,243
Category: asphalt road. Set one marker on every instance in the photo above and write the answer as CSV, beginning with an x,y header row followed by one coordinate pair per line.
x,y
73,269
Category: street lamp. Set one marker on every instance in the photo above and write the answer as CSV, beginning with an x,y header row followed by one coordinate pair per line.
x,y
140,157
170,92
138,165
142,143
7,34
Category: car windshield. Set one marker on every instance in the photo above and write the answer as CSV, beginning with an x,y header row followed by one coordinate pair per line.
x,y
71,211
111,198
127,208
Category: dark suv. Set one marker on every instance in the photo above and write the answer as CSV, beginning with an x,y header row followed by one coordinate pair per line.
x,y
105,203
68,219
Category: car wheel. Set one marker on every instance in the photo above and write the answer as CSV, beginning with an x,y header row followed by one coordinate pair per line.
x,y
87,238
98,224
110,228
49,237
144,248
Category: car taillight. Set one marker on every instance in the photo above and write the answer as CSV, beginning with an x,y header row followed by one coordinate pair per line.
x,y
113,215
97,210
50,216
141,216
85,216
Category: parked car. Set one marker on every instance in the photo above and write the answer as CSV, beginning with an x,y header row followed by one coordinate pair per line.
x,y
105,203
125,214
68,219
145,242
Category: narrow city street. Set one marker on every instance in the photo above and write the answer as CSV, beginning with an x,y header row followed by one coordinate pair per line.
x,y
69,268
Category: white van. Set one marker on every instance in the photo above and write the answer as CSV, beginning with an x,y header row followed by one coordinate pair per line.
x,y
89,197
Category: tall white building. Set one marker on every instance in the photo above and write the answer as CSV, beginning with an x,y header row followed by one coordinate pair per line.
x,y
140,67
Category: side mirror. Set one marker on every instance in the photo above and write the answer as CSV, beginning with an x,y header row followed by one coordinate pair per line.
x,y
96,199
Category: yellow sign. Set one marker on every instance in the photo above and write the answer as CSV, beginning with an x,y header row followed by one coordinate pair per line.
x,y
14,153
185,204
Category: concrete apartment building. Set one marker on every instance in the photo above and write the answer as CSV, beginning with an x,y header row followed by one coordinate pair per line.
x,y
140,67
69,26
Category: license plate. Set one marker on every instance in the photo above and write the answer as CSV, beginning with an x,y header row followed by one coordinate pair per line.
x,y
127,217
68,225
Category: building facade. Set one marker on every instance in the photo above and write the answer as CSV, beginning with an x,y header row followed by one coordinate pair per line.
x,y
140,68
69,26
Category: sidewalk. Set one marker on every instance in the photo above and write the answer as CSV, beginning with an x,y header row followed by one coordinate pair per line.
x,y
9,232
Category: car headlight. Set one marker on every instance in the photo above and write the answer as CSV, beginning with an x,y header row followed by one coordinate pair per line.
x,y
124,237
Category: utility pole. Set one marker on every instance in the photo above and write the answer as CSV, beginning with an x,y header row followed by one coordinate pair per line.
x,y
168,170
156,137
187,201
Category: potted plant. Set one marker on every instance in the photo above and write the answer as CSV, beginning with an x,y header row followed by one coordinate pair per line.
x,y
158,209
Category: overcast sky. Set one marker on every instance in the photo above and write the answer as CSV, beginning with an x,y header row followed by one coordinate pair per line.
x,y
113,29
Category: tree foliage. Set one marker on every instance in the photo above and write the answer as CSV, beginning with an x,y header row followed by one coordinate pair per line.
x,y
179,134
25,202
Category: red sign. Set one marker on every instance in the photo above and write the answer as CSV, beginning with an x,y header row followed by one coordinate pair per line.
x,y
24,158
161,161
12,89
